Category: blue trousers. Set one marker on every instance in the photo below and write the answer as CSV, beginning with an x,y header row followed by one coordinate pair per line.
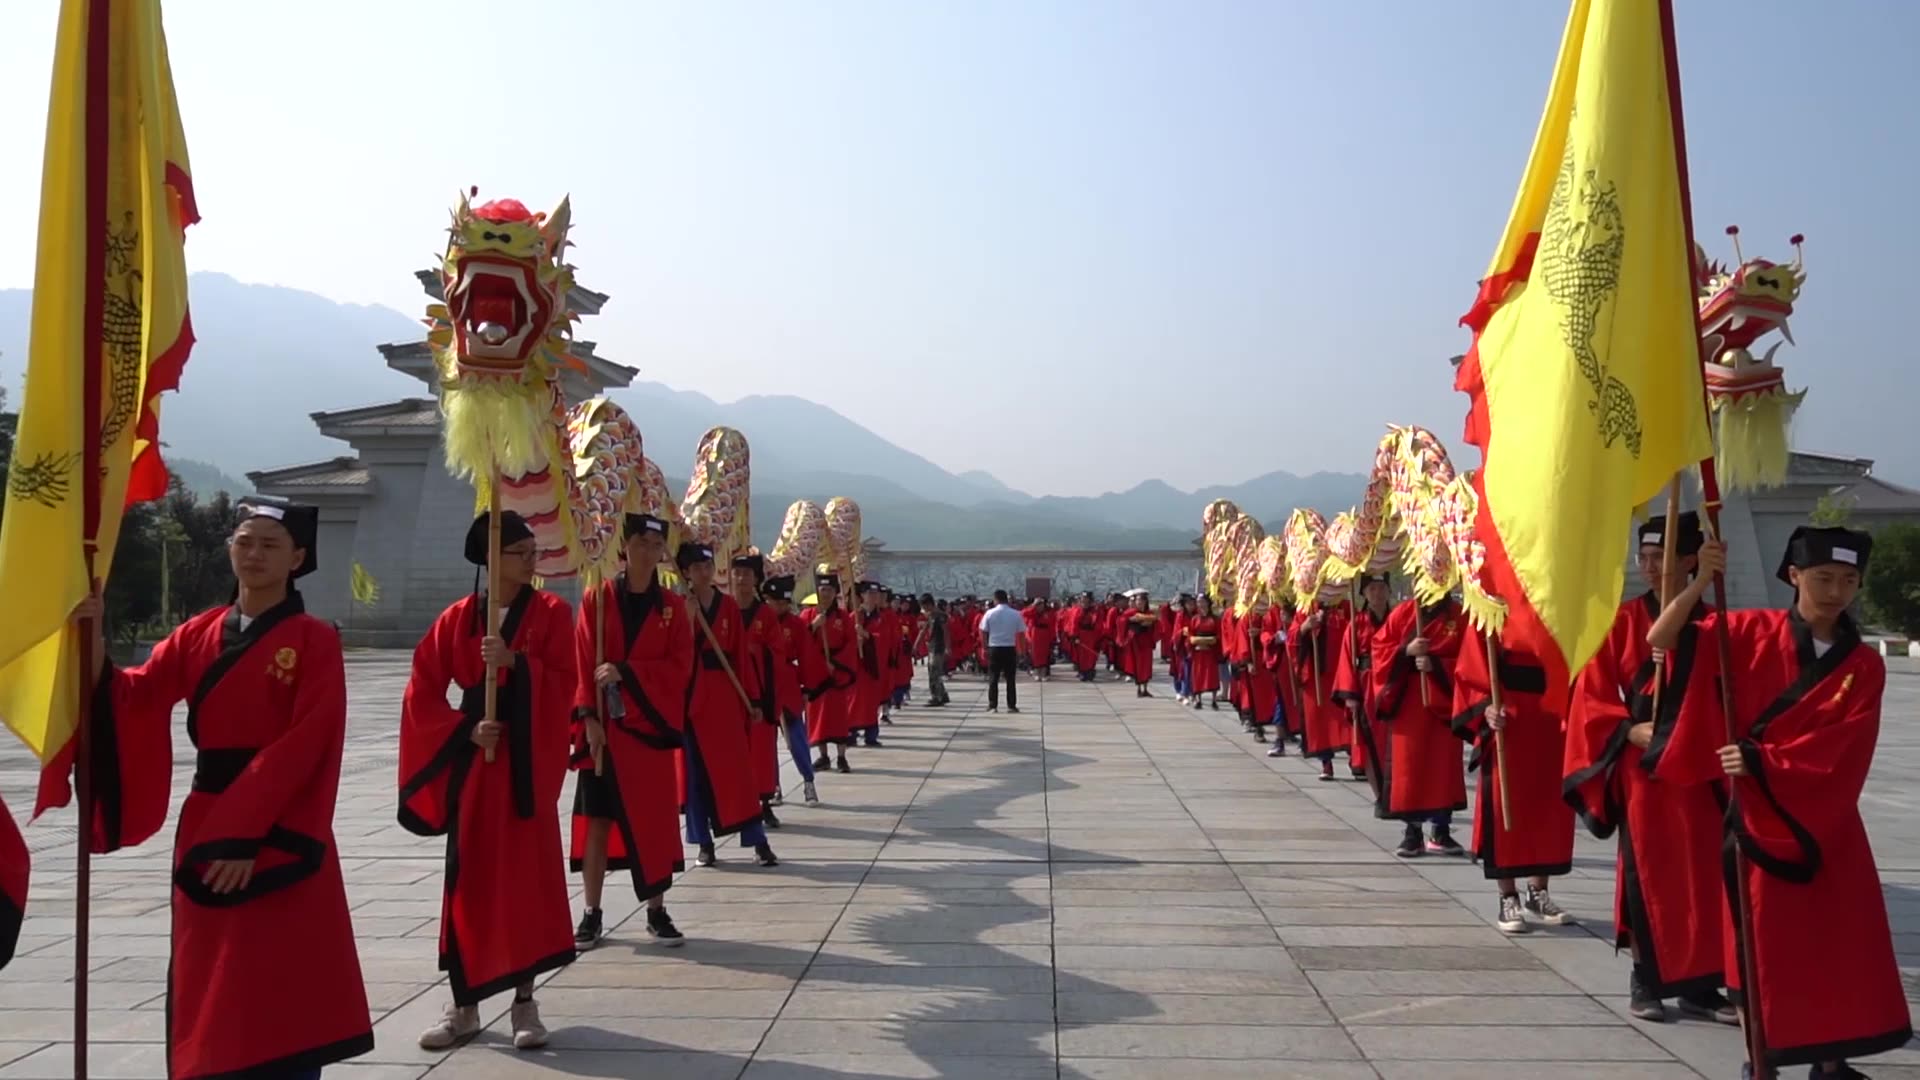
x,y
870,735
797,747
700,805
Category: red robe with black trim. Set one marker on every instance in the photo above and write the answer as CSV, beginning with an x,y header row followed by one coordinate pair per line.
x,y
830,688
1667,877
960,637
1232,652
1040,633
1135,633
719,736
1325,725
1539,842
648,636
791,671
1203,639
1164,637
15,867
1353,688
1260,647
875,670
1083,637
504,913
764,645
909,624
266,978
1807,725
1422,760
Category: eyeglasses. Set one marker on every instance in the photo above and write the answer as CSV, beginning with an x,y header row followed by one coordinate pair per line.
x,y
520,551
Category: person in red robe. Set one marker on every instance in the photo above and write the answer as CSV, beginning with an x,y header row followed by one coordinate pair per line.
x,y
797,665
723,791
879,636
16,865
263,972
492,787
1667,881
1174,647
1118,608
1352,685
831,694
633,647
1083,641
1135,632
1262,645
1203,637
1412,683
763,642
1315,639
960,634
1806,700
1519,746
1040,633
907,617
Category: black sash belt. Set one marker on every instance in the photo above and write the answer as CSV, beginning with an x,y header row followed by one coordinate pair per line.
x,y
214,771
1523,678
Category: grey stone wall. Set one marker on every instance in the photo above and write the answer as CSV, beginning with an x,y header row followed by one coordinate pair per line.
x,y
949,576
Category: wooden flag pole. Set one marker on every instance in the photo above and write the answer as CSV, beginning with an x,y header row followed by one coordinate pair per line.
x,y
1666,574
599,657
1420,631
1362,725
1752,1021
83,800
1313,646
700,620
1499,737
493,597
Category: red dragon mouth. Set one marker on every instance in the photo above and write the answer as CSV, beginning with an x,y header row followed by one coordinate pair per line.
x,y
498,314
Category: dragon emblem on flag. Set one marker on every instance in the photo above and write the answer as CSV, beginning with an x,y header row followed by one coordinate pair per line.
x,y
1581,247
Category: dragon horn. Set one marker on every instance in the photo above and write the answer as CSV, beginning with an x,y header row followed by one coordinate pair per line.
x,y
1787,332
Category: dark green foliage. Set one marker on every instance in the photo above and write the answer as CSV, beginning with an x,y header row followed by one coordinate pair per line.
x,y
1892,590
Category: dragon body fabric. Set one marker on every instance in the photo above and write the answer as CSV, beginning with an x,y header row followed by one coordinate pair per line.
x,y
800,546
500,341
1415,511
845,555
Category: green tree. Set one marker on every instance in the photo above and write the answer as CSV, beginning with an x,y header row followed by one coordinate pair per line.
x,y
1831,509
133,599
1892,590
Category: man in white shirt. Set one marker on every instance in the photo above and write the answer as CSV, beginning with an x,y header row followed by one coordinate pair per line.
x,y
1002,627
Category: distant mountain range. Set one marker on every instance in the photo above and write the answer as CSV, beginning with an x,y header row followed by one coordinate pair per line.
x,y
268,356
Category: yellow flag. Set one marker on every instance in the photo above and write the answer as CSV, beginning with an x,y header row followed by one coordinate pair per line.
x,y
110,333
1585,370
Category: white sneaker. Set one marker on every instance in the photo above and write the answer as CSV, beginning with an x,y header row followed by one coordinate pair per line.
x,y
812,794
460,1023
528,1032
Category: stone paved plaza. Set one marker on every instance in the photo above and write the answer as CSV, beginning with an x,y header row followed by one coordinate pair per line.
x,y
1098,887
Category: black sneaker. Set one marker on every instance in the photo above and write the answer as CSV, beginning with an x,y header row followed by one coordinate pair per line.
x,y
588,934
1443,842
1012,709
707,857
1279,748
1512,918
660,925
823,762
1410,845
887,720
764,852
1541,906
1713,1006
1259,734
768,817
1642,1004
842,765
872,744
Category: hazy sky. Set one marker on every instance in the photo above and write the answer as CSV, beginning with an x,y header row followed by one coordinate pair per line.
x,y
1078,244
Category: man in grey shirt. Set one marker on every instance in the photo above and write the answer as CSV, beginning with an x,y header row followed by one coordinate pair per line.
x,y
1002,627
933,630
